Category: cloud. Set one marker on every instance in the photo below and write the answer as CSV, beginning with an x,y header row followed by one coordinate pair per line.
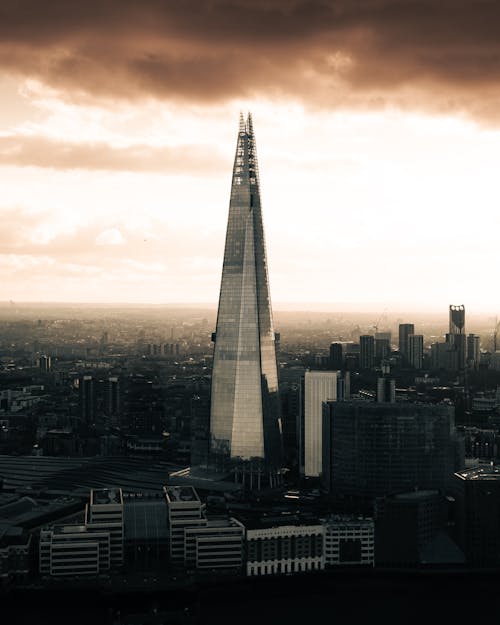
x,y
112,236
38,151
438,54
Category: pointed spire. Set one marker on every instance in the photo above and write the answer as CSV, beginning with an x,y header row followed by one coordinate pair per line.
x,y
242,123
249,124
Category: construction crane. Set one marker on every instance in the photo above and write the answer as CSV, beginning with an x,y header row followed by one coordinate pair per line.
x,y
379,320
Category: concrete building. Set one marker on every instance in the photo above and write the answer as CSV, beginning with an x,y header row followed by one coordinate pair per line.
x,y
285,549
349,540
105,512
67,550
15,553
216,545
185,511
319,386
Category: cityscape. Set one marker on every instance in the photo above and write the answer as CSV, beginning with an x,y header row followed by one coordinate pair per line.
x,y
166,458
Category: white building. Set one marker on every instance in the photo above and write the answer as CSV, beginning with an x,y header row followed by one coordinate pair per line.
x,y
185,511
219,544
69,550
285,549
349,540
319,386
105,512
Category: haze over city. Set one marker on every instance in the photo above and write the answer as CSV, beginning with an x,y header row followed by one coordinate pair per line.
x,y
377,132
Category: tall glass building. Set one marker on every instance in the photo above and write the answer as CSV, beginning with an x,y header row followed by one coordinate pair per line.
x,y
245,427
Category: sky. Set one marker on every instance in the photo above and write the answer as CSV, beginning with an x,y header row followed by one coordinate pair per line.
x,y
378,136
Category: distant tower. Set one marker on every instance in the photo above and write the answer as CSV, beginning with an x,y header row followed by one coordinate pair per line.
x,y
415,350
245,428
366,351
405,329
336,356
456,337
87,399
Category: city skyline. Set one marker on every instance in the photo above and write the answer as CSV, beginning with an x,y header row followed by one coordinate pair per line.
x,y
115,190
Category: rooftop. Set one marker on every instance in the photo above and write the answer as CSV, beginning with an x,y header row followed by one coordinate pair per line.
x,y
106,496
488,472
181,494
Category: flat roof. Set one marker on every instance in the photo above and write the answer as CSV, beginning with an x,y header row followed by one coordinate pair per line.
x,y
105,496
181,494
488,472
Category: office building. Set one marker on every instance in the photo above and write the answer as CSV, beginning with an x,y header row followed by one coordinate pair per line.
x,y
366,351
45,363
456,337
68,550
386,389
319,386
477,496
411,530
275,548
15,553
371,449
244,416
405,329
105,512
87,399
112,400
349,540
216,545
415,351
473,352
336,360
185,511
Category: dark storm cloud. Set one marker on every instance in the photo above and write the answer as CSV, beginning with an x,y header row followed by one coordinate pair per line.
x,y
432,53
36,151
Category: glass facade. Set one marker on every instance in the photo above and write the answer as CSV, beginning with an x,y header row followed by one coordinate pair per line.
x,y
244,414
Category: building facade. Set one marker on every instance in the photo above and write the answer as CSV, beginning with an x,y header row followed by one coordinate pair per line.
x,y
319,386
285,549
372,449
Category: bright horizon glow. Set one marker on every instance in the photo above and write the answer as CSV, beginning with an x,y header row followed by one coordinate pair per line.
x,y
368,210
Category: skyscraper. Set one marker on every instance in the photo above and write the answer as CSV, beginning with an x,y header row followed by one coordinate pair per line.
x,y
319,386
245,427
405,329
415,350
366,351
456,337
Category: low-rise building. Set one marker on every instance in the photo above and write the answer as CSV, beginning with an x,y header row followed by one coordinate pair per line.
x,y
349,540
284,548
68,550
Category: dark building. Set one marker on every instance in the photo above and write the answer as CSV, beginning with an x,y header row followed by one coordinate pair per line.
x,y
372,449
405,329
245,406
477,497
456,337
410,530
200,430
336,356
366,351
87,399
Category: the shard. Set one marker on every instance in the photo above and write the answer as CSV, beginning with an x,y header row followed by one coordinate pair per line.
x,y
245,428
